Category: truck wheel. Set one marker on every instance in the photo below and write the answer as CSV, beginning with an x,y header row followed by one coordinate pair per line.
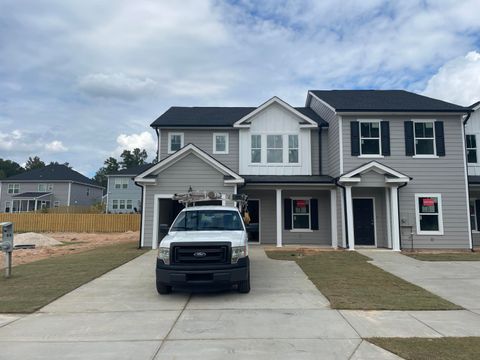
x,y
244,286
163,289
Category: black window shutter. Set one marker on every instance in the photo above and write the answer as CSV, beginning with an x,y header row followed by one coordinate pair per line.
x,y
385,133
287,214
477,213
314,214
355,137
439,138
409,145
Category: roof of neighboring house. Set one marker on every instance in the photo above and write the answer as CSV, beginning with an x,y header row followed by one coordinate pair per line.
x,y
178,116
475,105
52,173
32,194
287,179
474,179
132,171
384,101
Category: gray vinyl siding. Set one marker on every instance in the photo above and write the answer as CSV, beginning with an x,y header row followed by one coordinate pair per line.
x,y
443,175
60,191
316,169
203,139
315,152
189,171
132,192
328,115
325,158
78,195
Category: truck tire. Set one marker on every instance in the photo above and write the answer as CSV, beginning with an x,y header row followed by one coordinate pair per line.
x,y
244,286
163,289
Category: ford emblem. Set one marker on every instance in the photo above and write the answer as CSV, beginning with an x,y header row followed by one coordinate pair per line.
x,y
199,254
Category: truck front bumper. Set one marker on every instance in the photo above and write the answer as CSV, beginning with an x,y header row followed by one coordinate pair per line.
x,y
203,276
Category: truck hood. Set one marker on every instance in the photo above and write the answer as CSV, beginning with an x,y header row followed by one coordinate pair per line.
x,y
236,238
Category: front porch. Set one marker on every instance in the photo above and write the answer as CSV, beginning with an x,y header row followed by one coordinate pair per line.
x,y
31,201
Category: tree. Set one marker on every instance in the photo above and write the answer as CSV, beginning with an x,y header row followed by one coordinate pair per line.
x,y
110,166
34,163
133,158
67,164
9,168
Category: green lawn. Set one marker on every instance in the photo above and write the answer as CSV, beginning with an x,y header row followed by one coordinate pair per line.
x,y
36,284
350,282
447,348
461,256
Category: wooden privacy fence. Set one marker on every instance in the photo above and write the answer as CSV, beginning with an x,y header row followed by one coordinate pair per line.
x,y
73,222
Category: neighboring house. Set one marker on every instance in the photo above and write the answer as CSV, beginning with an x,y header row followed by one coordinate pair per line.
x,y
123,195
350,168
472,137
48,187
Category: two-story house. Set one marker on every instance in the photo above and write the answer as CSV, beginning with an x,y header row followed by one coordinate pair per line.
x,y
350,168
123,195
48,187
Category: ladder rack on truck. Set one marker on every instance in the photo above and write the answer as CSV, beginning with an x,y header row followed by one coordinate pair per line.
x,y
196,196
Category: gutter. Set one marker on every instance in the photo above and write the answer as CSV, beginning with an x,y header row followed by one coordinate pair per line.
x,y
465,121
141,216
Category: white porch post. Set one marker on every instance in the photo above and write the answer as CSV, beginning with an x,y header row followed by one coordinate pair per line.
x,y
333,217
394,216
350,231
279,216
35,204
389,218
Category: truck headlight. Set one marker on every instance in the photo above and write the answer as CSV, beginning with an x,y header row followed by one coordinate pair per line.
x,y
238,252
164,254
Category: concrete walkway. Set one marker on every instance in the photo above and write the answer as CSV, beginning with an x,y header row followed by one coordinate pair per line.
x,y
120,316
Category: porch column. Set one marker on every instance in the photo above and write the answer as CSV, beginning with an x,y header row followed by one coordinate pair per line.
x,y
333,217
35,205
389,217
350,231
279,216
394,216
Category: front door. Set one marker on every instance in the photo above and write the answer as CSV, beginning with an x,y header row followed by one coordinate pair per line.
x,y
363,221
253,228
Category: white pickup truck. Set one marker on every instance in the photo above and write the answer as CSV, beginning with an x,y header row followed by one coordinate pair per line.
x,y
206,246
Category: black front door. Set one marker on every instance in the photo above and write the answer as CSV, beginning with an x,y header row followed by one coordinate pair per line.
x,y
253,228
363,222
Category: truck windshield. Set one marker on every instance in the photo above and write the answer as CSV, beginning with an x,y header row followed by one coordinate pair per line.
x,y
204,220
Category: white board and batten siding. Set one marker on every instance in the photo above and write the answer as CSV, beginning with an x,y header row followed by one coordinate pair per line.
x,y
275,120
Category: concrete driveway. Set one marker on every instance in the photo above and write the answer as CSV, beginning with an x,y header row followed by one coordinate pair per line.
x,y
120,316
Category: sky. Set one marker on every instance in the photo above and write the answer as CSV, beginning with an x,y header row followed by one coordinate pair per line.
x,y
82,80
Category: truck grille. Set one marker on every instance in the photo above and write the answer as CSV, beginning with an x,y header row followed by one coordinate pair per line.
x,y
193,253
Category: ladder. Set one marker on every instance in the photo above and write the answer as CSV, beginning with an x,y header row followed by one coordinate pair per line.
x,y
195,196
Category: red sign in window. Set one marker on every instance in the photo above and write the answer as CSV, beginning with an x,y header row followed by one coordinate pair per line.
x,y
301,203
428,202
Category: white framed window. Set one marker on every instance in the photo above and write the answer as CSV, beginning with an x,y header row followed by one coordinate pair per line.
x,y
256,149
370,138
220,143
424,138
88,192
274,149
115,204
13,188
293,148
121,204
428,211
473,214
471,149
121,183
8,206
129,204
301,214
44,187
175,142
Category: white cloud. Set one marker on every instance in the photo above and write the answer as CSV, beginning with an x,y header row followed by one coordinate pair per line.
x,y
144,140
55,146
10,140
457,81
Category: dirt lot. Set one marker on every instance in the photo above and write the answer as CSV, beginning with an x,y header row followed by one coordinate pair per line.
x,y
71,243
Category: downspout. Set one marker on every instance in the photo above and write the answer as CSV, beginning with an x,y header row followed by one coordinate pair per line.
x,y
399,222
158,143
320,150
347,245
466,167
141,217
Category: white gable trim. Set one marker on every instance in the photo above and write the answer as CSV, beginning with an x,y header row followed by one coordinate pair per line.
x,y
180,154
377,167
276,100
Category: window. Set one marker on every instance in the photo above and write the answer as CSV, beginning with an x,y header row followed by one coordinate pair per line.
x,y
293,148
122,205
115,204
256,154
8,206
121,183
473,214
205,220
424,136
471,149
300,214
175,142
13,188
429,214
45,187
370,138
88,191
220,143
129,204
274,149
56,204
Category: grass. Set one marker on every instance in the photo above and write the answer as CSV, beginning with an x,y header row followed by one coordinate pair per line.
x,y
36,284
350,282
464,348
458,256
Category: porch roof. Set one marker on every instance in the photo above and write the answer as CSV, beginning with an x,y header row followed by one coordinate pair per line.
x,y
288,179
31,195
474,180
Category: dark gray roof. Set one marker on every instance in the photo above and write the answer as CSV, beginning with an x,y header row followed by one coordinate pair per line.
x,y
474,105
384,100
288,179
133,170
178,116
31,194
474,179
52,173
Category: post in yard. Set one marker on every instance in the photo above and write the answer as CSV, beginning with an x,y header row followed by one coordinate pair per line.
x,y
7,246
